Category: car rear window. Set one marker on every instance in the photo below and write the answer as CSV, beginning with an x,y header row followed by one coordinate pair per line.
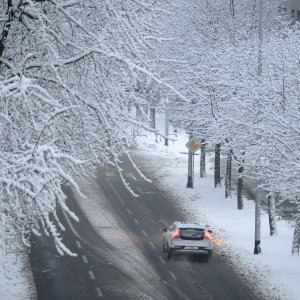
x,y
191,233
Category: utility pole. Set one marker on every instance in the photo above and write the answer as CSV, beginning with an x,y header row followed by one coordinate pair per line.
x,y
167,119
190,182
193,146
257,248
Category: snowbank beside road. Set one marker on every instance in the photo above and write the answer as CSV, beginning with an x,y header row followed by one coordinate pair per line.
x,y
16,279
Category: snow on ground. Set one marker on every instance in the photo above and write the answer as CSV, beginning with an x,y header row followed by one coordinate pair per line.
x,y
275,269
16,280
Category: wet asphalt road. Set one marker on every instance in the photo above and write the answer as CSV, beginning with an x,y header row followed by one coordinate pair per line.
x,y
95,275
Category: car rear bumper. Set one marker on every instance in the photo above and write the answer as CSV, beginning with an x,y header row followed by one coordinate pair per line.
x,y
188,249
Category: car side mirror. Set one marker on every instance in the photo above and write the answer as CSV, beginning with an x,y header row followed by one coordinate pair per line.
x,y
164,229
210,231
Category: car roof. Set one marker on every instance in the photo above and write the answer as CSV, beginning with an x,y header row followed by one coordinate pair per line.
x,y
189,225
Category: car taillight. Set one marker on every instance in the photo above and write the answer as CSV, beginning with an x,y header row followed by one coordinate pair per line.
x,y
176,234
207,236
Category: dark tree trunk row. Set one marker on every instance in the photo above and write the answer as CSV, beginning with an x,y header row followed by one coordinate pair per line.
x,y
6,27
202,159
217,165
152,118
272,214
240,201
296,237
228,175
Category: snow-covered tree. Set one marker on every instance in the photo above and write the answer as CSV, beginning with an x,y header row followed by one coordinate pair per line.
x,y
254,116
68,72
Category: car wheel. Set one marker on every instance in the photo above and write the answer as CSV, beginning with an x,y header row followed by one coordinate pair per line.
x,y
205,257
164,248
208,256
169,253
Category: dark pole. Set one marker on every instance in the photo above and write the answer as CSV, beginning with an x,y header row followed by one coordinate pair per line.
x,y
217,165
240,203
190,169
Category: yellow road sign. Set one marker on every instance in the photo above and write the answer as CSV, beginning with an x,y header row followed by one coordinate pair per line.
x,y
193,145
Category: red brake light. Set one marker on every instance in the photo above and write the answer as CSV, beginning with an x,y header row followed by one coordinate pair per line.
x,y
207,236
176,234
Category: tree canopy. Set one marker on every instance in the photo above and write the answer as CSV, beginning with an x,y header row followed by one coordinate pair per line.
x,y
69,71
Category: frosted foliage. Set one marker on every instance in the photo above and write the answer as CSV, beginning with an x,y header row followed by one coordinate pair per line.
x,y
69,73
251,111
254,115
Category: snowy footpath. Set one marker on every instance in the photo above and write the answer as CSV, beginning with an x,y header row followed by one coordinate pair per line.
x,y
16,280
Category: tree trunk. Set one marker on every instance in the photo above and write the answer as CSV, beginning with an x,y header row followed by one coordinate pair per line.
x,y
202,159
167,120
146,110
228,175
152,118
138,115
6,27
272,214
240,202
217,165
296,237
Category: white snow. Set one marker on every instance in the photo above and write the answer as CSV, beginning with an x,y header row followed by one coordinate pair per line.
x,y
277,271
16,281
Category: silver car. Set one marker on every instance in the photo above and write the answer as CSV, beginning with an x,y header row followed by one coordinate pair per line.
x,y
187,238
